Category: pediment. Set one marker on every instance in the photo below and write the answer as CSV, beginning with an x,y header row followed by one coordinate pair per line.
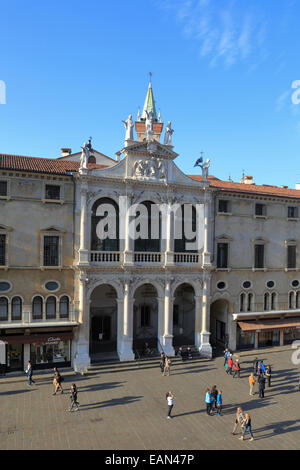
x,y
5,228
53,229
150,148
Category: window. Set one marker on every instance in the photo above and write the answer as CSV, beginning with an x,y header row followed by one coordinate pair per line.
x,y
291,299
247,284
259,252
298,299
52,192
273,300
2,250
292,212
266,301
145,315
222,255
249,302
92,159
260,209
51,308
52,286
37,308
16,308
3,188
270,284
221,285
223,206
295,283
64,307
291,256
242,302
4,286
3,309
51,250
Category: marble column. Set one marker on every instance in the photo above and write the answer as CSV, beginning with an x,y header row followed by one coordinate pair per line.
x,y
169,242
129,234
198,319
205,347
83,251
125,345
167,339
82,358
206,252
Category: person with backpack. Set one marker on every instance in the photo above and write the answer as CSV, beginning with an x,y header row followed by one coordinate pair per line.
x,y
229,365
237,369
58,379
73,397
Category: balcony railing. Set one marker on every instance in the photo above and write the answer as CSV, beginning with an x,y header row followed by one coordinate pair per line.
x,y
148,258
186,258
105,257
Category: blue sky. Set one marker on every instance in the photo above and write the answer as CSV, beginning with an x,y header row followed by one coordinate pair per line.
x,y
222,74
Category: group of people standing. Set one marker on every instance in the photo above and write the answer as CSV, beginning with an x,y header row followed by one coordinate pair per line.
x,y
213,400
263,374
232,368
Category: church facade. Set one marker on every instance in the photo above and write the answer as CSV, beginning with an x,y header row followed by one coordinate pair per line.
x,y
102,256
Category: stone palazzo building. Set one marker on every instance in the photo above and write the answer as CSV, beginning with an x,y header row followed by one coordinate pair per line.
x,y
69,293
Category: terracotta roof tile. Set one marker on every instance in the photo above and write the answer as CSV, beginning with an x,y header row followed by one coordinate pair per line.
x,y
41,165
269,190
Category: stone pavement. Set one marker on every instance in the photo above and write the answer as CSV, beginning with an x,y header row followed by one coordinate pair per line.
x,y
123,406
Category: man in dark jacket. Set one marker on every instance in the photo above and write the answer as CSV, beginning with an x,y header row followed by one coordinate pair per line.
x,y
261,386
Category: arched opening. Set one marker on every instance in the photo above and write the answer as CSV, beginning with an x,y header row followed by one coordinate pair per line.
x,y
184,316
150,232
103,321
145,318
185,228
219,324
105,225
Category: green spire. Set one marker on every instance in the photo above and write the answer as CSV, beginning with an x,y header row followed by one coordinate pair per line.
x,y
149,103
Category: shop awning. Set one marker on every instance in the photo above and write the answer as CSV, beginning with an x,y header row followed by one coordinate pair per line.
x,y
270,324
38,338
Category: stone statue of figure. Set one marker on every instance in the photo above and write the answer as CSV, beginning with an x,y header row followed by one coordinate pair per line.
x,y
129,128
149,124
205,168
168,134
85,155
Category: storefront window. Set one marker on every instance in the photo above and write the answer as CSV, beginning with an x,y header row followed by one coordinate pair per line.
x,y
14,357
268,338
52,353
245,340
291,335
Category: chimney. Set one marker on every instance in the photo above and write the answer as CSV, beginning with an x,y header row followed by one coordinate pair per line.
x,y
246,179
66,152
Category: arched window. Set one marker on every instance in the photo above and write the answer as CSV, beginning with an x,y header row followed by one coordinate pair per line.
x,y
273,300
51,307
291,299
92,159
249,302
185,223
149,240
267,301
3,309
242,302
64,307
37,308
298,299
106,221
16,308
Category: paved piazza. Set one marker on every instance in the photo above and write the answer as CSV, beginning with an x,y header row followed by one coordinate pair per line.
x,y
123,407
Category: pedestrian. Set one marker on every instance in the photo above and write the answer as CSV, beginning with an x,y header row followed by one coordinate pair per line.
x,y
239,420
57,383
29,373
214,394
247,427
261,386
268,375
252,382
237,369
259,371
167,366
73,398
162,363
219,403
170,399
209,402
226,355
229,365
189,353
255,365
263,367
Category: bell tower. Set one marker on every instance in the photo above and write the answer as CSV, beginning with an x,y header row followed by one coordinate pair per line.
x,y
140,123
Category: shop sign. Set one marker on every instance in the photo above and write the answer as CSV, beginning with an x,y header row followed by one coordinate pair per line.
x,y
51,339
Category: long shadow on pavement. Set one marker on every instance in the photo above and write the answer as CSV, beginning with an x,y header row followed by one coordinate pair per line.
x,y
112,402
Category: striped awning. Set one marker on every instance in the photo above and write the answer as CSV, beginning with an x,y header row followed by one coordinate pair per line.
x,y
289,323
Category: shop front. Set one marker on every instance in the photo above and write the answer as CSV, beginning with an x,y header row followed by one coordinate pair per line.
x,y
44,350
267,332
